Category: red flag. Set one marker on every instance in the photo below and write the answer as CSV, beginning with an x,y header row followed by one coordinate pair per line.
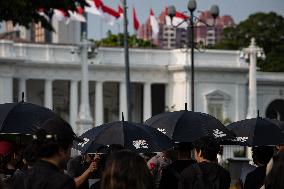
x,y
178,19
154,24
110,11
94,7
110,15
136,23
120,11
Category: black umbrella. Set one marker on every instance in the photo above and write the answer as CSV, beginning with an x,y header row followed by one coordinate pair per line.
x,y
188,126
22,117
139,138
257,132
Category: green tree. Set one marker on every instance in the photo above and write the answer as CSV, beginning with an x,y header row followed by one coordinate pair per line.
x,y
267,29
113,40
24,12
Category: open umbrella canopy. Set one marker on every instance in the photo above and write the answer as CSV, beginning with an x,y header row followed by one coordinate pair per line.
x,y
257,132
22,117
133,136
188,126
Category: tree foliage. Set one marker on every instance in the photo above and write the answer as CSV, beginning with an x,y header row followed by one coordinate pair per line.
x,y
113,40
24,12
268,30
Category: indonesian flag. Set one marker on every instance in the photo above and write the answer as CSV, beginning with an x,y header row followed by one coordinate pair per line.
x,y
59,15
178,20
78,15
95,7
110,15
120,12
136,23
154,25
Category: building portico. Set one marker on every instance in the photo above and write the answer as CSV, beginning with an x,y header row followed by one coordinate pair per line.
x,y
50,75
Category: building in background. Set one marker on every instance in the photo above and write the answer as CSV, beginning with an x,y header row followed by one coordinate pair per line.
x,y
171,38
64,33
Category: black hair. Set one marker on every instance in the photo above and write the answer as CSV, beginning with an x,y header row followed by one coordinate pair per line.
x,y
47,145
115,148
209,148
126,170
30,154
262,154
274,179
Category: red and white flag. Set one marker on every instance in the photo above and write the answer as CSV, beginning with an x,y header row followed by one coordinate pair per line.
x,y
178,20
110,15
154,25
95,7
59,15
120,12
77,15
136,23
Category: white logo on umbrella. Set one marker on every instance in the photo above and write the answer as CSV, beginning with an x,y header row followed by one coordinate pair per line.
x,y
162,130
82,144
241,139
140,144
218,134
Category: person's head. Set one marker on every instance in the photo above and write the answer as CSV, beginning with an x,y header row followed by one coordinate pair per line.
x,y
274,180
280,148
113,148
262,154
126,169
29,155
183,151
206,148
54,141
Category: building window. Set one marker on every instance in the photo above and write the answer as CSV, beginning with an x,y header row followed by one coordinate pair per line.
x,y
38,33
216,110
217,104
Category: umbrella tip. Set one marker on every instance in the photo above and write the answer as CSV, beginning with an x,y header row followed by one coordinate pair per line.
x,y
122,117
23,96
185,106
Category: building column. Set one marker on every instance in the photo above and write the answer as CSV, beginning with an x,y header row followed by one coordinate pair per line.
x,y
73,105
48,95
6,90
22,89
122,100
147,101
252,101
85,120
99,108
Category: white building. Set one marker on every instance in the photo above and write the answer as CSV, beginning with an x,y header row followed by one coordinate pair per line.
x,y
50,75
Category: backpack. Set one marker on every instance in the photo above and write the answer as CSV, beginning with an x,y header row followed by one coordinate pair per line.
x,y
204,182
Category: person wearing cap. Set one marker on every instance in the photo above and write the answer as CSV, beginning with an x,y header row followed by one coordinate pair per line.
x,y
53,145
206,172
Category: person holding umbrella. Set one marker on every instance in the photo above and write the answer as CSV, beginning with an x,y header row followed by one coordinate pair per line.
x,y
171,173
206,173
81,168
53,144
261,156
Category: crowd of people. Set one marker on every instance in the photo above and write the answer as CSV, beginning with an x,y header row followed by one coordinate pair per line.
x,y
46,163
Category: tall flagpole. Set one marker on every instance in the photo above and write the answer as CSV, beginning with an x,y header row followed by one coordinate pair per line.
x,y
126,56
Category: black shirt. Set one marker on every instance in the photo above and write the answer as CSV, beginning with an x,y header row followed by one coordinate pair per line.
x,y
255,179
208,170
45,175
171,174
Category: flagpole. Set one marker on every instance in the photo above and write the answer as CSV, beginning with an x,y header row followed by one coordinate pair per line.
x,y
126,56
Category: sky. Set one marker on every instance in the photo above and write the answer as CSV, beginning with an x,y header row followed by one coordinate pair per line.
x,y
238,9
